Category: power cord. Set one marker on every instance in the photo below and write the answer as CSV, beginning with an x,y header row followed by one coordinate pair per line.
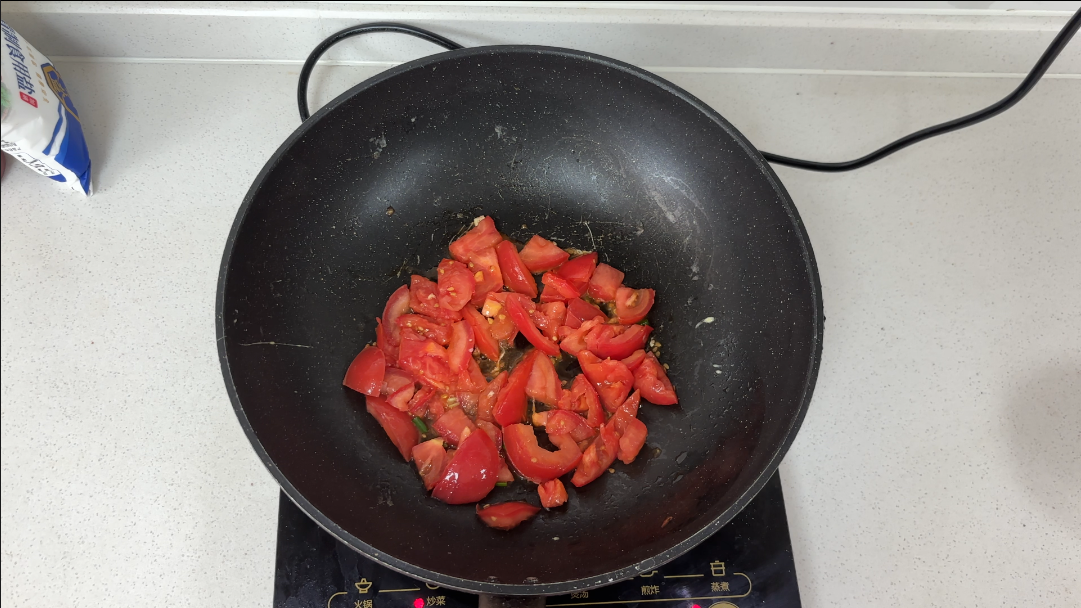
x,y
1042,65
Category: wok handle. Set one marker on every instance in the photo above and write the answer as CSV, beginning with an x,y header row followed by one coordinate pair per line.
x,y
356,30
511,601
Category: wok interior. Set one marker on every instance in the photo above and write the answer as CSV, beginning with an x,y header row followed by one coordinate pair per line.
x,y
587,154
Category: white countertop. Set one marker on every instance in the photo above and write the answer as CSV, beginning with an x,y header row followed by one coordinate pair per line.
x,y
940,463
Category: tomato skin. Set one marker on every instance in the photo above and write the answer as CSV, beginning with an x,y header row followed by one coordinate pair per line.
x,y
395,379
635,359
484,265
632,440
510,406
398,425
597,457
564,422
471,473
382,340
543,384
455,285
579,270
549,317
427,361
575,342
557,289
482,333
424,299
507,515
460,347
610,377
515,275
489,397
651,379
517,313
632,305
552,494
430,458
454,426
604,283
397,305
540,254
418,403
617,341
495,308
579,311
482,235
419,327
534,462
365,373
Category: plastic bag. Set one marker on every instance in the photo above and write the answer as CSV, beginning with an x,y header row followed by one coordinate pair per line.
x,y
40,125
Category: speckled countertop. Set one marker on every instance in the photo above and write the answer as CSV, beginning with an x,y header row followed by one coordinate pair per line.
x,y
940,463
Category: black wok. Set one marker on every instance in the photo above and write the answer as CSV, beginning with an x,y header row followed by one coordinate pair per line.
x,y
592,153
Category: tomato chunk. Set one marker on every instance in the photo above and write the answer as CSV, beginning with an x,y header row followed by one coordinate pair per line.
x,y
419,327
552,494
617,341
484,265
454,426
580,311
582,397
510,406
489,397
557,289
604,283
611,378
516,310
471,379
365,373
430,458
540,254
549,317
395,379
515,275
482,235
632,305
543,383
635,359
564,422
632,440
534,462
455,285
651,379
424,299
575,341
397,305
471,473
507,515
418,403
597,457
579,270
493,432
460,348
427,361
482,333
382,340
398,425
495,308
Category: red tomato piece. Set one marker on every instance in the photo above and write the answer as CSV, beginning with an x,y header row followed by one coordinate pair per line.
x,y
575,342
394,379
493,432
495,308
651,379
427,361
400,398
482,235
471,379
552,494
419,327
516,310
540,254
611,378
549,317
604,283
455,285
585,395
543,383
397,305
515,275
382,340
557,289
635,359
632,440
534,462
597,457
454,426
507,515
460,348
579,270
418,403
510,406
632,305
365,373
471,473
617,341
430,458
482,333
563,422
398,425
484,265
505,474
489,397
424,299
437,406
579,311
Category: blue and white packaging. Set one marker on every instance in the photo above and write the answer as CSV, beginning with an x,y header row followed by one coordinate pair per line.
x,y
40,125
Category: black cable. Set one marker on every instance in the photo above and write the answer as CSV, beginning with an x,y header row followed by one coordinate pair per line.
x,y
1042,65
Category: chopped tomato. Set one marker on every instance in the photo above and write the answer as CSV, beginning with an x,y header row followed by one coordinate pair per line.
x,y
575,341
489,397
503,328
418,403
579,270
632,362
506,515
482,333
632,440
604,283
430,458
543,383
365,373
505,474
454,426
540,254
651,379
611,378
471,379
515,275
484,265
471,473
617,341
382,340
482,235
549,317
510,406
552,494
597,457
493,432
455,284
563,422
534,462
516,310
419,327
632,305
398,425
437,406
424,299
397,305
460,348
582,397
394,379
557,289
400,398
580,311
427,361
